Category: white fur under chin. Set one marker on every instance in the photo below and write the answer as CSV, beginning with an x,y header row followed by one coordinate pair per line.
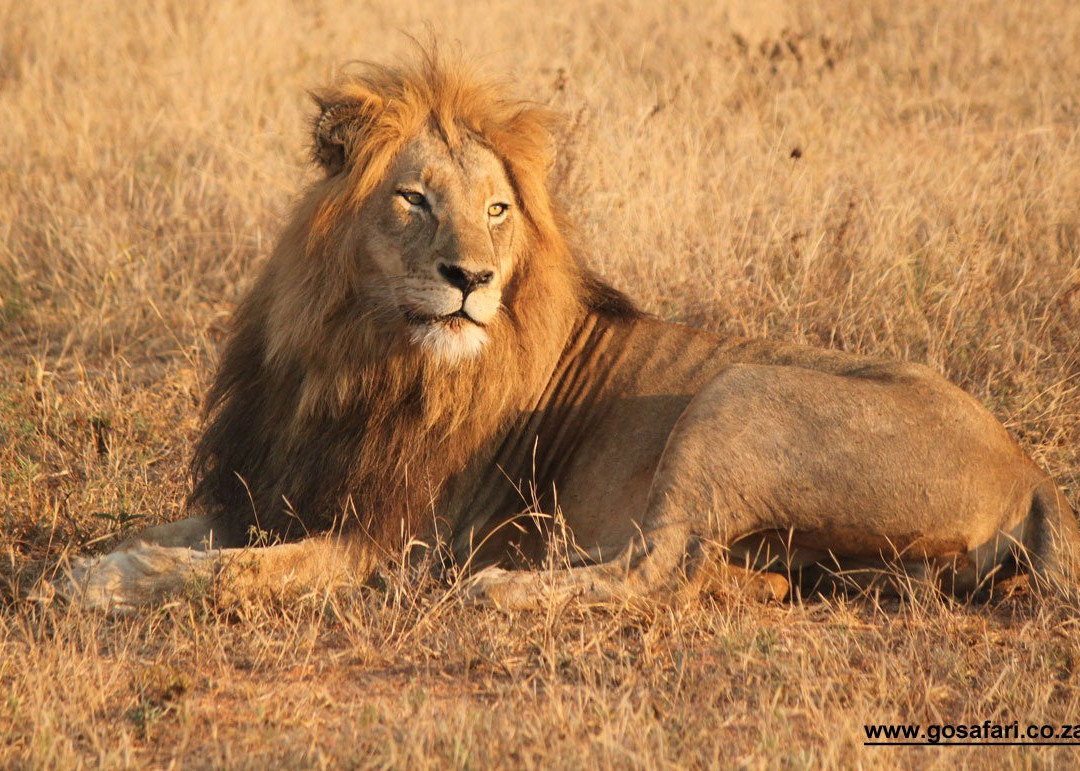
x,y
450,343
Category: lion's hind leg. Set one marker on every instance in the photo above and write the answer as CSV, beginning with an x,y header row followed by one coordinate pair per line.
x,y
663,565
1041,551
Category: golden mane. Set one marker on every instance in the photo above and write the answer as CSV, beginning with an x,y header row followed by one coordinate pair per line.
x,y
320,414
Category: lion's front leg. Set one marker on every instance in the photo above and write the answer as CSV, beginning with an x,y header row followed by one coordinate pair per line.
x,y
136,575
147,566
144,574
192,532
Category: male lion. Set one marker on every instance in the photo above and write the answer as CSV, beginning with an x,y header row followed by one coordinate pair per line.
x,y
424,344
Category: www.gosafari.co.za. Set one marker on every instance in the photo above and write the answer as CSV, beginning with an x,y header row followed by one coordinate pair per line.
x,y
974,734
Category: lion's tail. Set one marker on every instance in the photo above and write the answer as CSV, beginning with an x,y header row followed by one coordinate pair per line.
x,y
1052,542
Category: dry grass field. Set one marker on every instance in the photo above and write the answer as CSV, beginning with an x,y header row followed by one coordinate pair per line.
x,y
901,179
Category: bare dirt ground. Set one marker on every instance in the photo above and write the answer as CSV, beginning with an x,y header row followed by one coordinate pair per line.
x,y
901,179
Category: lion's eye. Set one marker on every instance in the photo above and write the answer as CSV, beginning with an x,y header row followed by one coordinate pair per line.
x,y
413,198
498,209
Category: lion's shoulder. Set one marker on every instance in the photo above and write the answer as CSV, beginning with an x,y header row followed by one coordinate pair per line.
x,y
600,297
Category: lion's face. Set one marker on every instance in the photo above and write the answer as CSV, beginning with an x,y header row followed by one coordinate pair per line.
x,y
439,237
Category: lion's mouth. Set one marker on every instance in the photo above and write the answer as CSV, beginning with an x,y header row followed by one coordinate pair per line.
x,y
453,320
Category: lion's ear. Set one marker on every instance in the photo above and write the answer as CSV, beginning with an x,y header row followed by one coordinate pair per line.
x,y
338,126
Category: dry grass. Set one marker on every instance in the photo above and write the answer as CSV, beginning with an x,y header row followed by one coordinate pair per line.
x,y
901,182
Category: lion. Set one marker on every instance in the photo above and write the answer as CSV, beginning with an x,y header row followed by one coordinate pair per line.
x,y
425,343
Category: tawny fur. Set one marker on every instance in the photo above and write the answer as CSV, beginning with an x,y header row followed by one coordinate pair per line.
x,y
668,452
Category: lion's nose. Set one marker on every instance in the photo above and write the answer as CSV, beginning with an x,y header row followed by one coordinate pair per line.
x,y
465,280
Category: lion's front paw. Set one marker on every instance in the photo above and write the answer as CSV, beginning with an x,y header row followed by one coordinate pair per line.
x,y
121,581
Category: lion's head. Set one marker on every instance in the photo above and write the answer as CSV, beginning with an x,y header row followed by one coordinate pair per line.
x,y
434,199
416,301
439,234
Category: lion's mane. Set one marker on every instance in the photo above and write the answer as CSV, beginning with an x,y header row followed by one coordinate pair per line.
x,y
320,414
